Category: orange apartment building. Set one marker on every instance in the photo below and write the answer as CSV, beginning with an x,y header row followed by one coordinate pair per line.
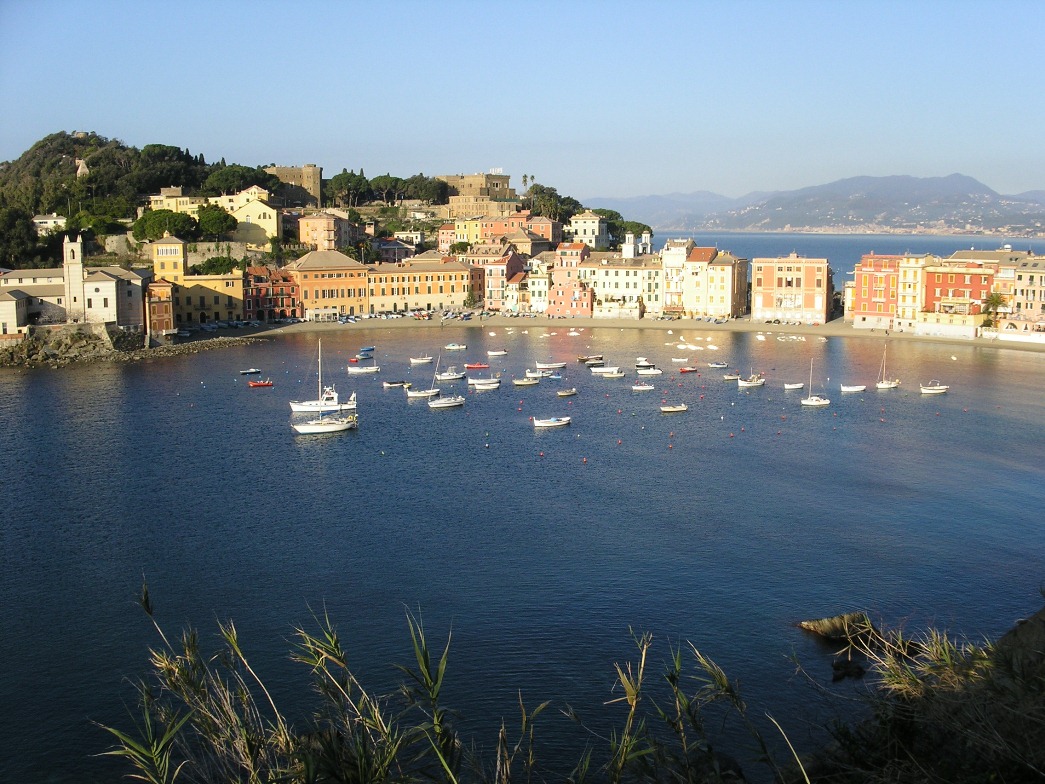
x,y
791,288
331,285
875,292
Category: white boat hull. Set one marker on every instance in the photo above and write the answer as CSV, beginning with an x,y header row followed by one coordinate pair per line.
x,y
326,425
551,422
446,402
815,401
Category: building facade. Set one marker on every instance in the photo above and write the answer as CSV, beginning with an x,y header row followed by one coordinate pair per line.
x,y
791,288
302,185
332,285
875,297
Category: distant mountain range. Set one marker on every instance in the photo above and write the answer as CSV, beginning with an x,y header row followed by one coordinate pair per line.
x,y
955,204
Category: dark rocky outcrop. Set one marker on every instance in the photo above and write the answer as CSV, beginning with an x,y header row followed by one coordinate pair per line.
x,y
78,344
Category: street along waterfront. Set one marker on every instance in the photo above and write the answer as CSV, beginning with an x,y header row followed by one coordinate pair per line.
x,y
723,525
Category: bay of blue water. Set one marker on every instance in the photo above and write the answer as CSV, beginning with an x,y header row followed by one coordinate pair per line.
x,y
537,550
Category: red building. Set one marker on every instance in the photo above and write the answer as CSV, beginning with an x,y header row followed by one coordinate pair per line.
x,y
270,294
956,288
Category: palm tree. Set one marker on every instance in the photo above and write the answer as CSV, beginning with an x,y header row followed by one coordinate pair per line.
x,y
991,305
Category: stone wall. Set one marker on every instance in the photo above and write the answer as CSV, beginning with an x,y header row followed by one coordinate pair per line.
x,y
195,252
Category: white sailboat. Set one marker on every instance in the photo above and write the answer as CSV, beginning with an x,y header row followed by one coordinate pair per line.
x,y
327,398
450,401
327,424
883,382
814,401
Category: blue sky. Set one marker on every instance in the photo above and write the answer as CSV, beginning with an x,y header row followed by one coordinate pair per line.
x,y
592,98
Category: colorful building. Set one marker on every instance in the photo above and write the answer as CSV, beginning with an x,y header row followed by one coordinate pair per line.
x,y
270,294
714,284
569,296
791,288
420,283
332,285
591,229
875,297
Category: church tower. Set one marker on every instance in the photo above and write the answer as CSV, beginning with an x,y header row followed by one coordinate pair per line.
x,y
72,267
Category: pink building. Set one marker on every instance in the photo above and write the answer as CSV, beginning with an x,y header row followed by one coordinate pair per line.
x,y
446,237
569,296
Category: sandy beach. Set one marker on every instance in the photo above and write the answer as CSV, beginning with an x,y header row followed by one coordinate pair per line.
x,y
836,328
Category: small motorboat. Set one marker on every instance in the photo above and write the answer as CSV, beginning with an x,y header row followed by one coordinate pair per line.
x,y
734,376
934,387
590,358
551,422
424,359
853,387
674,409
249,372
392,384
497,352
260,383
689,369
476,365
796,385
642,386
717,365
754,380
549,365
649,370
455,346
567,392
537,373
525,382
480,384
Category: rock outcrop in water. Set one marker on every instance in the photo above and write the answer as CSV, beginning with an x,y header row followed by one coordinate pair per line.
x,y
79,344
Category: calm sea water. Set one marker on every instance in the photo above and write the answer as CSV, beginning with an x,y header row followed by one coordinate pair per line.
x,y
722,526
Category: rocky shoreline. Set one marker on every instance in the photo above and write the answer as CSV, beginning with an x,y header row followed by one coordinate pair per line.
x,y
77,347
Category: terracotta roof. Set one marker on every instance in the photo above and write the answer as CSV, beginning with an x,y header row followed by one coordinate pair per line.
x,y
325,259
702,254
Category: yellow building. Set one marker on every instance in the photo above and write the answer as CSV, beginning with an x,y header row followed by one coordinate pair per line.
x,y
331,284
714,284
468,230
258,221
418,284
206,298
197,299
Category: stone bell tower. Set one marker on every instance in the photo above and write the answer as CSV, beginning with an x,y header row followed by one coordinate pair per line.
x,y
72,266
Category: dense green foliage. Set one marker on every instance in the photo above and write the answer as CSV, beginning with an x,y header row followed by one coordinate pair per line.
x,y
218,265
235,178
215,221
546,201
154,224
349,189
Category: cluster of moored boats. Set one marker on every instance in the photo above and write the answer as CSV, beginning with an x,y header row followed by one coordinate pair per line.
x,y
331,415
